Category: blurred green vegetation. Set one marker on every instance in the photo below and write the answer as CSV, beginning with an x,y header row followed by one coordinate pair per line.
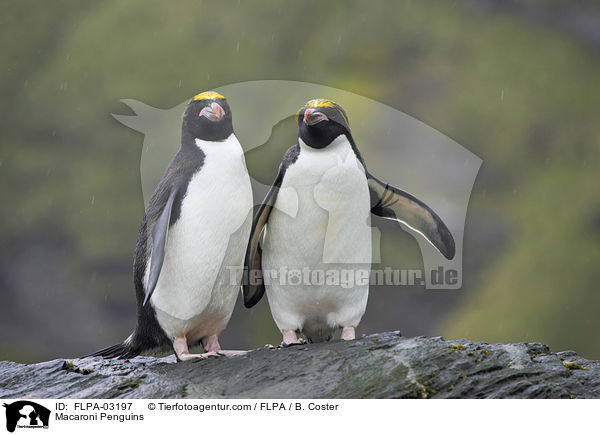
x,y
502,81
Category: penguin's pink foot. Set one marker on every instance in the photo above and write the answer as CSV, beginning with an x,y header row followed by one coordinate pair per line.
x,y
211,353
348,333
290,338
190,356
232,352
183,354
211,344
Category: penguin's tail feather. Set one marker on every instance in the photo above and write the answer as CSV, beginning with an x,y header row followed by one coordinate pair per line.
x,y
119,351
135,345
123,350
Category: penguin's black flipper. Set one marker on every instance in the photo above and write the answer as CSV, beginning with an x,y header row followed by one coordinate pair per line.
x,y
159,239
253,284
392,203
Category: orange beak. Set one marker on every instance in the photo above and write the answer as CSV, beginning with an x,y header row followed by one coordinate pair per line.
x,y
214,112
312,117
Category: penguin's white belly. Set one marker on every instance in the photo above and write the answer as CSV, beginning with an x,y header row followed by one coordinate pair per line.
x,y
197,287
321,221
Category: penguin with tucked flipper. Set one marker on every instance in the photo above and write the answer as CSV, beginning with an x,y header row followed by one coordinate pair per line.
x,y
193,235
316,217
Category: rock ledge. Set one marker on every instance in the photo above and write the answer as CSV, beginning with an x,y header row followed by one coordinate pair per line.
x,y
377,366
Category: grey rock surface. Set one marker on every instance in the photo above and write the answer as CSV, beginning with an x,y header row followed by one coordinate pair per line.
x,y
377,366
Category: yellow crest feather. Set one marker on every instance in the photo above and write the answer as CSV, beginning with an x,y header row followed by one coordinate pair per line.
x,y
320,102
210,95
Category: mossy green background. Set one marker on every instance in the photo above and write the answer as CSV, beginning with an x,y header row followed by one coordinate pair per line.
x,y
515,83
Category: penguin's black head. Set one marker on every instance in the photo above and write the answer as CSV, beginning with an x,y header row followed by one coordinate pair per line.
x,y
320,122
207,117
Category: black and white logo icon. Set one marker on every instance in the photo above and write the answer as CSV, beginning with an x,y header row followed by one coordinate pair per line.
x,y
26,414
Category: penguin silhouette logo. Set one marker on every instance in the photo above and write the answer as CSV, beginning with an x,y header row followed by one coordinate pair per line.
x,y
405,151
26,414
